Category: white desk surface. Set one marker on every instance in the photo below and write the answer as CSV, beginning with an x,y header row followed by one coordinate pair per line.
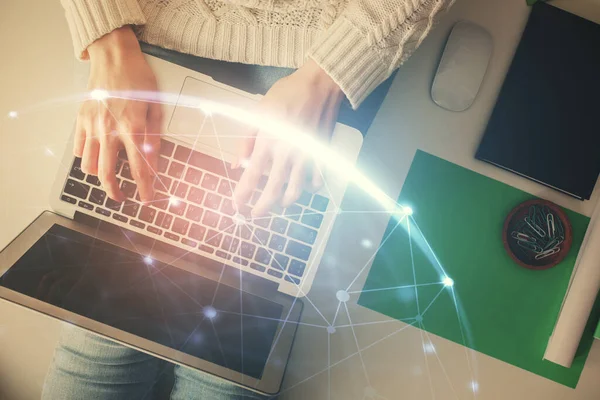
x,y
37,67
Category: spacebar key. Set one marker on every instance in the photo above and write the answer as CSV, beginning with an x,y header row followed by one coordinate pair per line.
x,y
298,250
216,166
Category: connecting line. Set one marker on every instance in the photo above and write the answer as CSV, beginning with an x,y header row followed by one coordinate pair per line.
x,y
362,361
374,253
336,313
464,341
219,342
270,319
395,287
329,365
405,320
440,361
412,261
429,247
318,167
426,362
432,301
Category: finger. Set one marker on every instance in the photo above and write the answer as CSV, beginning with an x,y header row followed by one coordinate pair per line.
x,y
274,186
140,169
295,184
79,139
89,161
107,169
326,127
152,138
249,180
245,149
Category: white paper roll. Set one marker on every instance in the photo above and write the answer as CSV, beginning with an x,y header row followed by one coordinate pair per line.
x,y
579,299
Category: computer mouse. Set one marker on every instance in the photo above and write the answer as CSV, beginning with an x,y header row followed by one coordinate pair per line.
x,y
462,67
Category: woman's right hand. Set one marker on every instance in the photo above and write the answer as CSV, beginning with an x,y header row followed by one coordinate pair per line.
x,y
107,125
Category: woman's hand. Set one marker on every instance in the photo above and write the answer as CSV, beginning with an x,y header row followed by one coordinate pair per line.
x,y
105,126
309,99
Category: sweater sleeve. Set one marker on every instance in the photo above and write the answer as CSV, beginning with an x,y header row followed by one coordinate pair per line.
x,y
370,39
89,20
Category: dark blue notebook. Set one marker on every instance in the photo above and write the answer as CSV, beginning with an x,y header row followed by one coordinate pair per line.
x,y
546,123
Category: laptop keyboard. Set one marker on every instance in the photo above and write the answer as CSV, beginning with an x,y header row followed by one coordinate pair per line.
x,y
193,206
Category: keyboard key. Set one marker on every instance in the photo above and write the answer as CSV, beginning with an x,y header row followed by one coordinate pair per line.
x,y
122,154
211,219
102,211
206,248
97,196
179,189
177,207
76,171
227,225
228,207
293,212
210,182
112,204
162,165
238,260
280,262
197,232
292,279
154,230
162,183
85,205
222,254
176,170
166,147
171,236
261,236
279,225
137,224
180,226
126,172
298,250
128,189
226,188
77,189
262,221
213,238
120,218
189,242
304,198
312,218
182,154
93,179
302,233
320,203
193,176
263,256
163,220
247,249
130,208
297,268
257,267
213,165
212,201
230,244
196,195
147,214
274,273
277,242
68,199
161,200
194,213
244,231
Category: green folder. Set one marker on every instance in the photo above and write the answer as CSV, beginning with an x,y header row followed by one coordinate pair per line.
x,y
495,306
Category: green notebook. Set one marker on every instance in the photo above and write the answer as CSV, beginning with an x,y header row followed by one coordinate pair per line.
x,y
507,312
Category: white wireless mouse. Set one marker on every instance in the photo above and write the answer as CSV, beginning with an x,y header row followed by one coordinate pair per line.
x,y
462,67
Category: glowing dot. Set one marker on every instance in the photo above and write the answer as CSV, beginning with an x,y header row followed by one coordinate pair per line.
x,y
13,115
245,163
474,386
147,148
428,348
239,219
366,243
407,210
48,152
342,296
173,201
148,260
447,281
99,94
330,330
209,312
419,318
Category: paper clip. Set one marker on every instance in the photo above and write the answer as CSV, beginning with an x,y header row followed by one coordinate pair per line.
x,y
539,231
550,224
530,246
547,253
522,236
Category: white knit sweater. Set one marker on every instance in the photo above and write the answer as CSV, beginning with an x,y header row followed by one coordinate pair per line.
x,y
359,43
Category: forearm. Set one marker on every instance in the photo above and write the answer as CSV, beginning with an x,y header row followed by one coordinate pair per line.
x,y
371,39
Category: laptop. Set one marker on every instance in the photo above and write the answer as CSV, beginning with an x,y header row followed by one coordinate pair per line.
x,y
190,277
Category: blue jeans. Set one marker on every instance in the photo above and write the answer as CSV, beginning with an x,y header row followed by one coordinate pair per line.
x,y
87,366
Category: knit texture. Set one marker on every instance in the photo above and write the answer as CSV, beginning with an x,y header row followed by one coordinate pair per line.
x,y
359,43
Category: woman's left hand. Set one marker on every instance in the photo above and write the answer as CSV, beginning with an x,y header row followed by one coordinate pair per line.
x,y
309,99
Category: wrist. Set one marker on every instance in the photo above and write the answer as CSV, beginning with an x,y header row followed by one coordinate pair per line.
x,y
320,78
115,45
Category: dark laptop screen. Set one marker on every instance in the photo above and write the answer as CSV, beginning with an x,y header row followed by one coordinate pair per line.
x,y
155,301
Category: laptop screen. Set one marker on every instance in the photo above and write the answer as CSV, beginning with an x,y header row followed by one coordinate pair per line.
x,y
158,302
